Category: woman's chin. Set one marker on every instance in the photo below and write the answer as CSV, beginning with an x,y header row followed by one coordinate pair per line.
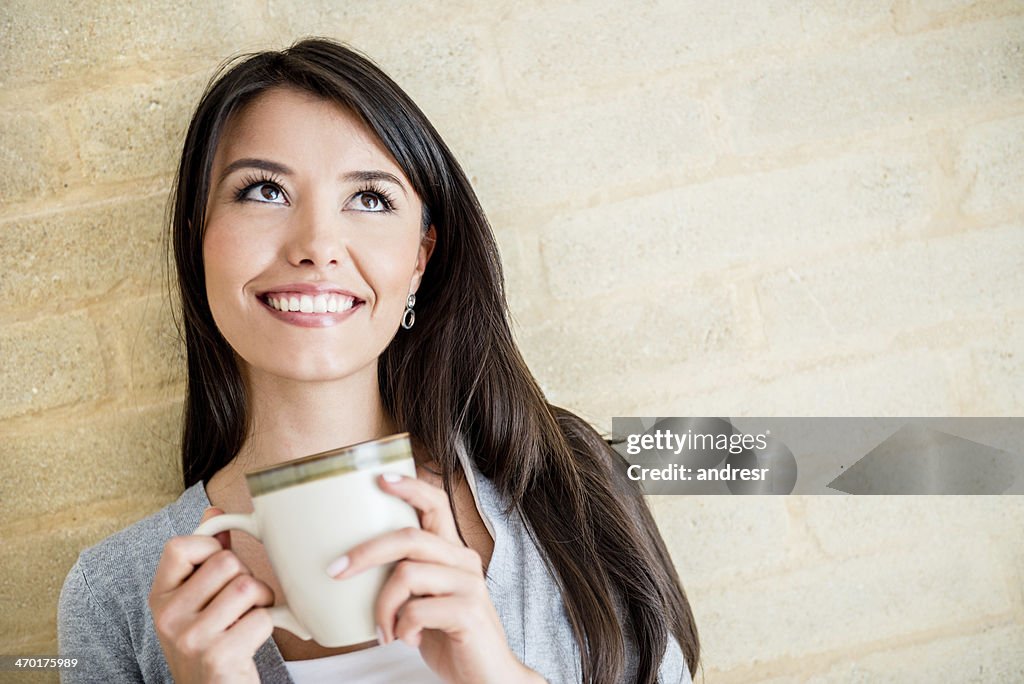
x,y
313,371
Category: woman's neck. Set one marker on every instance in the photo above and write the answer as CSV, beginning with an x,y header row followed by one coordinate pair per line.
x,y
291,419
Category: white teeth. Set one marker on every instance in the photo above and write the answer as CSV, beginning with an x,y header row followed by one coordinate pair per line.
x,y
324,303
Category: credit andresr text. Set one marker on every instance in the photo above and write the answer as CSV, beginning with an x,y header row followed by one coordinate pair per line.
x,y
681,473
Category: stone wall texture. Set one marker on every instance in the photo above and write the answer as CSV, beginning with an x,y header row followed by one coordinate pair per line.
x,y
787,207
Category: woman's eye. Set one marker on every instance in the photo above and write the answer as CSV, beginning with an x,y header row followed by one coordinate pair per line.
x,y
368,201
265,192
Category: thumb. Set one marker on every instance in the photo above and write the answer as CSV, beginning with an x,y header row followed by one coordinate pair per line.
x,y
223,537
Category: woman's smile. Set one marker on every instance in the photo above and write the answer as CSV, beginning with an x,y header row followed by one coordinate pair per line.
x,y
320,311
311,305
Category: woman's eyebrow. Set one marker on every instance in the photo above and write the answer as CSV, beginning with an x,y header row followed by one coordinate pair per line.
x,y
376,175
251,163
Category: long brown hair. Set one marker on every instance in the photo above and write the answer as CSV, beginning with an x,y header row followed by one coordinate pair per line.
x,y
620,587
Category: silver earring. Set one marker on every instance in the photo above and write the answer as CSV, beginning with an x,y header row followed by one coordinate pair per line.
x,y
409,317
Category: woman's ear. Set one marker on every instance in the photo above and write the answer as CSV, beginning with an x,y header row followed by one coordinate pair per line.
x,y
423,256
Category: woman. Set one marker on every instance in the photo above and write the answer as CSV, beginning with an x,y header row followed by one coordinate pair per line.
x,y
339,282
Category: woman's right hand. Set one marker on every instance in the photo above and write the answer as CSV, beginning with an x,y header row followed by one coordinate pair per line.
x,y
207,610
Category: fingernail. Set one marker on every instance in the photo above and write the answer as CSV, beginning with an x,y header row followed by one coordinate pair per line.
x,y
380,635
337,566
392,477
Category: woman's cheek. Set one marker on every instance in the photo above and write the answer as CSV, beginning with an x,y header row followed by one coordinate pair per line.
x,y
393,270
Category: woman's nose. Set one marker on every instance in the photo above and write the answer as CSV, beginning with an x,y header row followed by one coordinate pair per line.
x,y
317,236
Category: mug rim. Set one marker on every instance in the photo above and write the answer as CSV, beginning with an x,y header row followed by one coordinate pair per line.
x,y
337,461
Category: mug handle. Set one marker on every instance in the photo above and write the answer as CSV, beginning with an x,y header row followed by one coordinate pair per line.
x,y
280,615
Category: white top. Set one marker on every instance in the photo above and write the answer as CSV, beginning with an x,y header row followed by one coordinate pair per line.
x,y
394,662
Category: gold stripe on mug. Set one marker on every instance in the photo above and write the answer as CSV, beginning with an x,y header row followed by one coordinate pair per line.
x,y
330,463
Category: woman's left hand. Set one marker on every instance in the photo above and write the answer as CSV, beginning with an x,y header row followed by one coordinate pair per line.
x,y
436,597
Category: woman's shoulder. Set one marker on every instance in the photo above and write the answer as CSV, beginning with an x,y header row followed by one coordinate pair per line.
x,y
131,555
103,614
529,601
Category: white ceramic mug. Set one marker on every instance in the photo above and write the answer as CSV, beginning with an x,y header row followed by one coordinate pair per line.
x,y
308,512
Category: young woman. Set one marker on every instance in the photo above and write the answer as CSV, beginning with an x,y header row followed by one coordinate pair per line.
x,y
339,282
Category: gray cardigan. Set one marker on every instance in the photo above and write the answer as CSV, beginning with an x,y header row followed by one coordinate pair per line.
x,y
104,620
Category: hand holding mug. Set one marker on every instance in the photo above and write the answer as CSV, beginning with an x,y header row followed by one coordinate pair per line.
x,y
436,597
308,510
207,609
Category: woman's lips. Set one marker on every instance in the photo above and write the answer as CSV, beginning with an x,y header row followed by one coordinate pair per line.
x,y
322,302
309,314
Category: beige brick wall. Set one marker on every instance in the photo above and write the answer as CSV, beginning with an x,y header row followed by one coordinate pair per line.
x,y
789,207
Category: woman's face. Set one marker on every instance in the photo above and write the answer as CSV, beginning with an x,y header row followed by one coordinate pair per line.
x,y
313,239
